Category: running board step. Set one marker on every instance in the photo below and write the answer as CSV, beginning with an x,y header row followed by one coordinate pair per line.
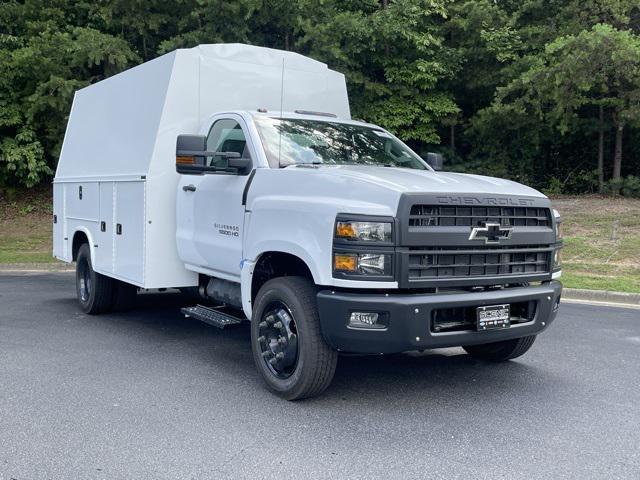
x,y
211,316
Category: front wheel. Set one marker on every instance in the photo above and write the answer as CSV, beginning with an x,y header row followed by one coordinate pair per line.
x,y
501,351
288,348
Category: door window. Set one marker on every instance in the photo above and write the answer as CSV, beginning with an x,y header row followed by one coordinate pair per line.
x,y
226,135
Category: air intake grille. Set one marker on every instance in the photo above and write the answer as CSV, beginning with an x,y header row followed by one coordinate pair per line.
x,y
453,216
464,263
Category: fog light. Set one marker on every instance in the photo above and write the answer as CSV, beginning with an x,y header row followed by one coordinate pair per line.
x,y
368,320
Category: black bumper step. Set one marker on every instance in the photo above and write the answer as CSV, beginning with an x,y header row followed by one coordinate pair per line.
x,y
211,316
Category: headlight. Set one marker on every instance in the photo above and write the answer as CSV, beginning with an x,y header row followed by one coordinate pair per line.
x,y
364,231
558,223
362,263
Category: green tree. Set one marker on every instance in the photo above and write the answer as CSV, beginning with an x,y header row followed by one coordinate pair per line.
x,y
598,67
43,60
143,24
393,56
465,73
214,21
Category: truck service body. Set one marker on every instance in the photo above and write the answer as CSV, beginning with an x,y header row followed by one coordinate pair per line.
x,y
235,173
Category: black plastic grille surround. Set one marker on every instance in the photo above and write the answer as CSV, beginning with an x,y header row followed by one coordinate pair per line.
x,y
456,215
437,247
457,262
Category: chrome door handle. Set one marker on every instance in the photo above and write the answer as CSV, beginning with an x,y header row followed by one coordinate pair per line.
x,y
189,188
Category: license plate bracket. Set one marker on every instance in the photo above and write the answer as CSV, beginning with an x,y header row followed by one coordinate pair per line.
x,y
493,317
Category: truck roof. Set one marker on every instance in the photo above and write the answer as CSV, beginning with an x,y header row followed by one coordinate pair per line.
x,y
127,124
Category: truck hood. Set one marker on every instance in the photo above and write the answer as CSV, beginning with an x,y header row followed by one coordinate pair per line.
x,y
404,180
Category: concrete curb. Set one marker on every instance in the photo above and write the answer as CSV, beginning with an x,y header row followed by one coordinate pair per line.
x,y
602,296
36,267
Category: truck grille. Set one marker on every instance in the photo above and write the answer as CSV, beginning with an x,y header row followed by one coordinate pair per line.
x,y
454,262
452,216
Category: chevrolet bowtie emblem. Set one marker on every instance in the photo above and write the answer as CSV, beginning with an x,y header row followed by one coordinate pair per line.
x,y
490,233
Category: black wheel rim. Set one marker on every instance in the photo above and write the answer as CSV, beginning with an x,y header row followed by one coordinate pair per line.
x,y
84,281
278,339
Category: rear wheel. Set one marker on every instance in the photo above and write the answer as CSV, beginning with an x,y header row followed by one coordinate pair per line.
x,y
501,351
94,290
288,348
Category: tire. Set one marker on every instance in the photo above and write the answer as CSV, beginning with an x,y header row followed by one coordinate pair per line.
x,y
124,296
94,291
307,365
501,351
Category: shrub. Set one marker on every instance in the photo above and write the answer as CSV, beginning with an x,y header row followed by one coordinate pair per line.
x,y
627,186
631,186
555,187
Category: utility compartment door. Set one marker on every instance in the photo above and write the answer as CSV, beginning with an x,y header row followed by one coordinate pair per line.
x,y
59,230
129,231
104,253
81,201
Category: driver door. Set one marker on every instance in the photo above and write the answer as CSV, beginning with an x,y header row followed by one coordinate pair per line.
x,y
212,237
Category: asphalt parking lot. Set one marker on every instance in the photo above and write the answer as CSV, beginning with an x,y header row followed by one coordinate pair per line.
x,y
150,394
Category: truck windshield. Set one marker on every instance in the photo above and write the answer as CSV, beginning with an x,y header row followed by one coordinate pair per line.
x,y
303,142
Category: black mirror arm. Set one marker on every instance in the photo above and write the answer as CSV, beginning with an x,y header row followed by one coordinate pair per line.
x,y
227,154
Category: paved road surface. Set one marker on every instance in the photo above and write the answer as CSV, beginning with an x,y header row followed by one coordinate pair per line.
x,y
149,394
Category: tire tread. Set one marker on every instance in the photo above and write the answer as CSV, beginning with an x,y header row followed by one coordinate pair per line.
x,y
101,300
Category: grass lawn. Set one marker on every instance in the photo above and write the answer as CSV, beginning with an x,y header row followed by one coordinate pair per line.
x,y
593,257
602,242
25,227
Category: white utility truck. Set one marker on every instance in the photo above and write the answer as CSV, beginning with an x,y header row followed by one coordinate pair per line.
x,y
236,174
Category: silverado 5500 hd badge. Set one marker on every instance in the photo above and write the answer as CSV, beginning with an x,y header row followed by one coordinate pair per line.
x,y
228,230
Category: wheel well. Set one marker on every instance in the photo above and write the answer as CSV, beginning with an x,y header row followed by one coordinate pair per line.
x,y
79,238
277,264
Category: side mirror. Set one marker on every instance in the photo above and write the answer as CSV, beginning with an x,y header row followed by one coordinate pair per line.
x,y
435,161
191,154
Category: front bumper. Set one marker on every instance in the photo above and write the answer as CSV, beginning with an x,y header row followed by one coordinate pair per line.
x,y
410,318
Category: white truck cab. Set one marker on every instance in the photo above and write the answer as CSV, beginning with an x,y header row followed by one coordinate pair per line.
x,y
235,173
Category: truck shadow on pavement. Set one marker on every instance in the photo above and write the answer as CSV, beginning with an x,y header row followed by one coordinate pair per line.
x,y
447,376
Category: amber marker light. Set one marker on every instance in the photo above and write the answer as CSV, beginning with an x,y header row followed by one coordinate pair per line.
x,y
183,160
346,230
344,263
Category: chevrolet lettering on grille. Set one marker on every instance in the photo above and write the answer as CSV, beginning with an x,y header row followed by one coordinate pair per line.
x,y
491,233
